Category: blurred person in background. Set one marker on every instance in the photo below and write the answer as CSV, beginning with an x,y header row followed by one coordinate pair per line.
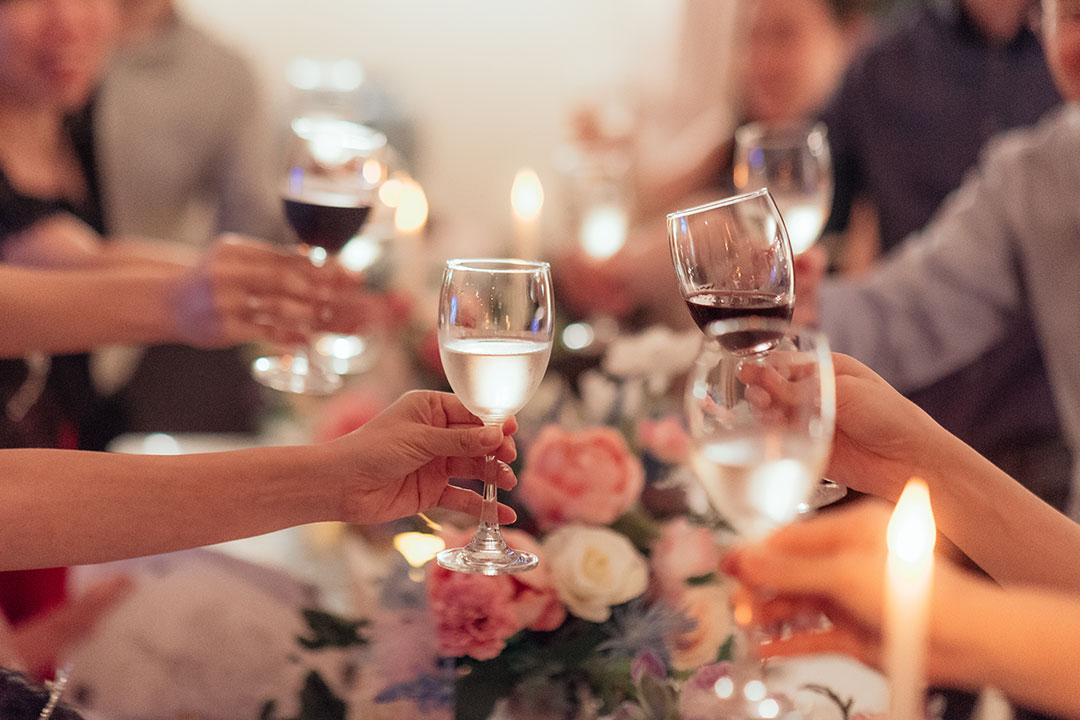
x,y
185,151
787,60
52,215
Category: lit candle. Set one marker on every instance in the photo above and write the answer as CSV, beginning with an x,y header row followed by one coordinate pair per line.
x,y
526,201
417,549
909,567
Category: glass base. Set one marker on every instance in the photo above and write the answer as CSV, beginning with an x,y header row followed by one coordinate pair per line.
x,y
826,493
293,373
486,562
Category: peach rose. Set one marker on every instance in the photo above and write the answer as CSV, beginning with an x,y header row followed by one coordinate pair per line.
x,y
665,439
682,552
588,476
707,606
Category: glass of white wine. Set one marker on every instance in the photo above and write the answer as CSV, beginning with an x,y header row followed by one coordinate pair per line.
x,y
794,162
495,331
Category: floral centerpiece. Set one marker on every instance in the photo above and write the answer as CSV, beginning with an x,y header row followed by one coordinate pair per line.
x,y
624,608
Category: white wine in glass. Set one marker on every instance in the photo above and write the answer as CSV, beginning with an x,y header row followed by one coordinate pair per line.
x,y
495,332
794,162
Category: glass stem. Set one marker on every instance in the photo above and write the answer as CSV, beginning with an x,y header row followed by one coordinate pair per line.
x,y
489,511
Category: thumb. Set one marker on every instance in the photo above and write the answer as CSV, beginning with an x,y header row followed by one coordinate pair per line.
x,y
462,442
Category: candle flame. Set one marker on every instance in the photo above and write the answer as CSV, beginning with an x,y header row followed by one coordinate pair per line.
x,y
527,194
912,532
412,207
418,548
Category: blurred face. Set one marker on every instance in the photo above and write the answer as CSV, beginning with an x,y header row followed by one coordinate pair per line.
x,y
795,51
52,52
1061,36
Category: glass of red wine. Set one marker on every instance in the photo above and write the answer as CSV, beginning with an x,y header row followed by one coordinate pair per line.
x,y
331,178
733,260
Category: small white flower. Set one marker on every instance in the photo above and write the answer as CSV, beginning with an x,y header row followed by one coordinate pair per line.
x,y
594,569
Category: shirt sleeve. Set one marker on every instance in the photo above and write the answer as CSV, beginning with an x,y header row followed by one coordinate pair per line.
x,y
952,290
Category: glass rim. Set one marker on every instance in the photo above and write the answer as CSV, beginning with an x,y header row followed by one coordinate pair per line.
x,y
498,265
760,192
772,135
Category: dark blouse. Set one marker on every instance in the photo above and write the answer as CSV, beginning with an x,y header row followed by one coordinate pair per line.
x,y
67,413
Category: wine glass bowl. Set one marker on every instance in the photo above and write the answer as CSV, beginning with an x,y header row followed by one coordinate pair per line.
x,y
329,184
795,164
761,424
733,259
495,335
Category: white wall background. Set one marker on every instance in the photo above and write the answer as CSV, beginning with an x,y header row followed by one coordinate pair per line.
x,y
488,84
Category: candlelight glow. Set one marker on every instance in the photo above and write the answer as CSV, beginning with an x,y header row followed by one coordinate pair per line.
x,y
527,194
912,532
418,548
412,207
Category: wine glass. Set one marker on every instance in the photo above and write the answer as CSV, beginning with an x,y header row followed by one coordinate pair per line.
x,y
495,332
733,260
761,426
795,164
330,181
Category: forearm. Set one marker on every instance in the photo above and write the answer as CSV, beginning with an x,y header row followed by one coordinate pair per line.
x,y
1029,648
62,311
1004,528
65,507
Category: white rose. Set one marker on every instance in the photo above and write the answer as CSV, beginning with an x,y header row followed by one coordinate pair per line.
x,y
594,568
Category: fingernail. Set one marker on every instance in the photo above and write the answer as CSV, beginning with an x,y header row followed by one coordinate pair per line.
x,y
490,436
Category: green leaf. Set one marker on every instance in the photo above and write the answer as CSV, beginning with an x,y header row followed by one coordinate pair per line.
x,y
318,702
707,579
639,527
727,650
331,631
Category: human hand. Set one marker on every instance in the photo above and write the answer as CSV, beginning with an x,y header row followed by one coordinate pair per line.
x,y
881,437
245,290
400,462
834,565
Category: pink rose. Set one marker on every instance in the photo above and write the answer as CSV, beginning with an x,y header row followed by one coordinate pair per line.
x,y
588,476
664,439
682,552
535,599
475,615
346,412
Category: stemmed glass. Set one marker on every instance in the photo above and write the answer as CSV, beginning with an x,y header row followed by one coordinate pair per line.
x,y
733,260
761,425
794,163
329,185
495,331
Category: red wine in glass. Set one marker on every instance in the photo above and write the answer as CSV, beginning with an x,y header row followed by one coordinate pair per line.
x,y
326,222
707,306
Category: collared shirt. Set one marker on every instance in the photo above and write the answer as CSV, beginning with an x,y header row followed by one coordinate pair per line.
x,y
914,110
998,264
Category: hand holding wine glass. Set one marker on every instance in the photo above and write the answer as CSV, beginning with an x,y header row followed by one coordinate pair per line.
x,y
329,184
761,426
495,333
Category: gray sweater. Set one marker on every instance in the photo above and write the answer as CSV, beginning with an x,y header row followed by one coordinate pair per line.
x,y
1000,260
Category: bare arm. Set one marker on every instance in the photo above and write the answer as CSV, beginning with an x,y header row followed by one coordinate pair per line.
x,y
68,507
